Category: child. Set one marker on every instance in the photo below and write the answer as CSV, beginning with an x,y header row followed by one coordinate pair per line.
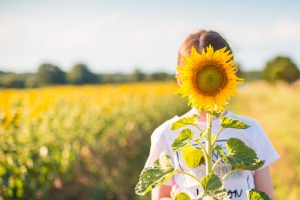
x,y
254,137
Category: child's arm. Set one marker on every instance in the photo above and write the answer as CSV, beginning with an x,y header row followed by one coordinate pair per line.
x,y
162,192
263,181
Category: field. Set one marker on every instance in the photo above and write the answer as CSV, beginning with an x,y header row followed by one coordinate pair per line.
x,y
91,142
277,109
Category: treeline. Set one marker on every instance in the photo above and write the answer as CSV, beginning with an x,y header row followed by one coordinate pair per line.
x,y
48,74
279,68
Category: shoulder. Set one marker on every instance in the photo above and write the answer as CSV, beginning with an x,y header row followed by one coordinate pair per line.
x,y
163,129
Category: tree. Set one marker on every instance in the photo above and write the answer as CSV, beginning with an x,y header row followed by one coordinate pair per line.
x,y
161,76
80,74
12,80
281,68
50,74
31,81
137,76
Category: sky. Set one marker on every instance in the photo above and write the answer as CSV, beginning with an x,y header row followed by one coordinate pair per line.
x,y
117,36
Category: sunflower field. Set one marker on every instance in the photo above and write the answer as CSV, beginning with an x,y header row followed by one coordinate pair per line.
x,y
91,142
87,142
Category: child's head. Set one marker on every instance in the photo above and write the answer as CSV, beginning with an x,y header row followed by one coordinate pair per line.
x,y
199,40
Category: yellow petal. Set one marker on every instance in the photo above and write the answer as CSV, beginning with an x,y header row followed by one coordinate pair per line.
x,y
219,60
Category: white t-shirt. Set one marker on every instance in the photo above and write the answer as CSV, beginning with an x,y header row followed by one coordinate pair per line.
x,y
238,182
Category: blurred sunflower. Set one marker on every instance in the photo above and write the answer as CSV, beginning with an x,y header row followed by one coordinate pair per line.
x,y
208,79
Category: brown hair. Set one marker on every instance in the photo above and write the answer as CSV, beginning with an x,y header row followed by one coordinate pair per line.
x,y
200,40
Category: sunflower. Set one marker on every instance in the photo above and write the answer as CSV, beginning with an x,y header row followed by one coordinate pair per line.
x,y
208,79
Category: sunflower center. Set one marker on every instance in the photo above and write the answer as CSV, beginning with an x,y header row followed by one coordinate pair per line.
x,y
210,79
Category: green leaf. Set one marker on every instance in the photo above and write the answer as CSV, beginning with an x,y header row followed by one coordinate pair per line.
x,y
192,156
254,194
221,194
184,121
227,122
217,195
214,112
182,196
161,171
239,155
211,182
2,171
213,187
183,139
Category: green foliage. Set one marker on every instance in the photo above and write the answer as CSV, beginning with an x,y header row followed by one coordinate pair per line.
x,y
13,80
240,156
80,74
161,76
184,121
281,68
25,172
31,81
192,156
254,194
214,113
161,171
227,122
182,196
137,76
213,187
113,78
74,142
182,140
50,74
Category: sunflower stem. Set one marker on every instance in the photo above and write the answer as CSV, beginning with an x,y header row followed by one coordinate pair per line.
x,y
216,164
217,136
203,150
208,143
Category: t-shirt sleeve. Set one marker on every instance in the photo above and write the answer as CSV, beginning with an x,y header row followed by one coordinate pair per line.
x,y
264,148
158,145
